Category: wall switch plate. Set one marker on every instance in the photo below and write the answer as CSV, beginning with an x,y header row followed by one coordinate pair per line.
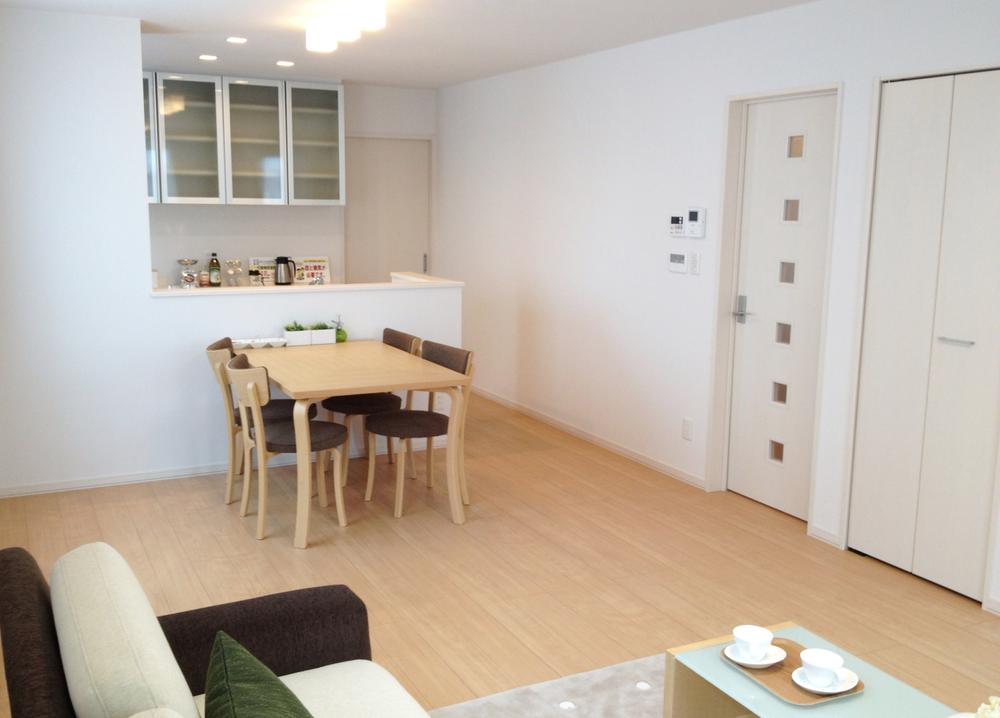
x,y
694,263
677,262
687,429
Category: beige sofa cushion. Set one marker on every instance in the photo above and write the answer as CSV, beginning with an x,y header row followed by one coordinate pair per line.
x,y
353,689
116,659
157,713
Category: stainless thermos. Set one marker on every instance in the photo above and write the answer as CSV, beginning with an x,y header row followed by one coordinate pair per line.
x,y
283,274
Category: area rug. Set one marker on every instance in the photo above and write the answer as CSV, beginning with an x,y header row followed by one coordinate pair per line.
x,y
626,690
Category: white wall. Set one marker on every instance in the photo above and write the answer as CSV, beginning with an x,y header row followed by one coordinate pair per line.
x,y
553,190
103,382
398,112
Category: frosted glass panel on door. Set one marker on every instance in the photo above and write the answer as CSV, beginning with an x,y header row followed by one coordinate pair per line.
x,y
149,119
190,138
315,144
255,141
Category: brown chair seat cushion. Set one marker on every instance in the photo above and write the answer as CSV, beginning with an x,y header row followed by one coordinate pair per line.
x,y
277,410
323,435
407,424
363,404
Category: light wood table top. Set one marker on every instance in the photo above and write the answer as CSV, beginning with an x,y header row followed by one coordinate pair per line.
x,y
354,367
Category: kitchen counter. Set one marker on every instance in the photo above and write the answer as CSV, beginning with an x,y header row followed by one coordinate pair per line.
x,y
399,280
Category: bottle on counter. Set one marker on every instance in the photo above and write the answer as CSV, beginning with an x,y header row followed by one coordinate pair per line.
x,y
214,271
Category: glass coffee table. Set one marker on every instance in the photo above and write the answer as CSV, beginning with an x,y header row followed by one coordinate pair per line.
x,y
701,684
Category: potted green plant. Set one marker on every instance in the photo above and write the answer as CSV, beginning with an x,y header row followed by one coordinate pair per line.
x,y
323,333
339,329
297,335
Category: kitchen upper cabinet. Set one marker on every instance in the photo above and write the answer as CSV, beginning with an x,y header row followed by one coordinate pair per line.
x,y
149,117
254,113
315,141
191,138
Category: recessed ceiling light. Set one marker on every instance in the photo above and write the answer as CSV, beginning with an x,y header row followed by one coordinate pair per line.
x,y
173,77
208,58
233,39
285,63
241,82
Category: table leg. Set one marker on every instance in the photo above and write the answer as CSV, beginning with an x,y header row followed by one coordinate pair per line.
x,y
688,695
303,450
454,447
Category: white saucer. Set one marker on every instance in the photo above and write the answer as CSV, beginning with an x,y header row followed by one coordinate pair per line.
x,y
774,654
846,680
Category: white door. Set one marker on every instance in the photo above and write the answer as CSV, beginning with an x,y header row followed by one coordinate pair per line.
x,y
388,216
785,210
963,397
912,162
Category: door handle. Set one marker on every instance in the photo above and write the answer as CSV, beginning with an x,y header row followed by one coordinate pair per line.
x,y
959,342
741,312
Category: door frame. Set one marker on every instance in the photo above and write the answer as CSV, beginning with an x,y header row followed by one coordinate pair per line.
x,y
719,430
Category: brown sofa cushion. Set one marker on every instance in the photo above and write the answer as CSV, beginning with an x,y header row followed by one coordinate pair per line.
x,y
36,684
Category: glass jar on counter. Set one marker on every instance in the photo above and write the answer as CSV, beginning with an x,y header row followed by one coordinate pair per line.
x,y
255,279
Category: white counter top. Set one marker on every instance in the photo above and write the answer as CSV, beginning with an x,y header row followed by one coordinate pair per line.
x,y
400,280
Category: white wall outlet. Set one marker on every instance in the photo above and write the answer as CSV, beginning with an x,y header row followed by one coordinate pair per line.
x,y
687,429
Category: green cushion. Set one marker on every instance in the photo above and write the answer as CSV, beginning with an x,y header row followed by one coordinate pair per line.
x,y
239,686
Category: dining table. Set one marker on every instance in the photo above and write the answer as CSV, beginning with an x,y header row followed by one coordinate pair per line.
x,y
309,374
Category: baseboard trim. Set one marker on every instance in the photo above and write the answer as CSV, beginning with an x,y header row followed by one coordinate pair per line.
x,y
665,469
825,537
52,487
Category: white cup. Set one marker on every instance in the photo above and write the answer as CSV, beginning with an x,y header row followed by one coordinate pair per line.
x,y
821,666
752,642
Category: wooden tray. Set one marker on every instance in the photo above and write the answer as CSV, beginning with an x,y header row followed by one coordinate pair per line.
x,y
778,678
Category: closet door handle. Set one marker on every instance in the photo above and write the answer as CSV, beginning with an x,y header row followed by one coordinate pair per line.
x,y
959,342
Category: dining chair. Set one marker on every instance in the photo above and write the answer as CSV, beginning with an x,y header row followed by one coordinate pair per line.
x,y
273,437
367,404
408,424
219,355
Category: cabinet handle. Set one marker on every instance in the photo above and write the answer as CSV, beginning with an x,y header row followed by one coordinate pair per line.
x,y
959,342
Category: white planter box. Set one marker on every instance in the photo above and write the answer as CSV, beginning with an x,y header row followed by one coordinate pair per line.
x,y
299,339
324,336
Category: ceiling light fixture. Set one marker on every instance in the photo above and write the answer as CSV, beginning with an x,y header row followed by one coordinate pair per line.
x,y
208,58
320,36
234,40
241,82
343,21
285,63
370,14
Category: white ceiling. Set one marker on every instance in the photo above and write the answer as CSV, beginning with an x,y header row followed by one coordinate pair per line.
x,y
427,43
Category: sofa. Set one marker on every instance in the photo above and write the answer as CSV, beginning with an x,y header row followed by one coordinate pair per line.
x,y
90,646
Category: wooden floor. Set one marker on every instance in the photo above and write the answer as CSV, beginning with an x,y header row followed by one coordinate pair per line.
x,y
573,558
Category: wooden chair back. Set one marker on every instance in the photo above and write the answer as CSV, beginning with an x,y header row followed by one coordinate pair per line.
x,y
252,392
450,357
401,340
219,353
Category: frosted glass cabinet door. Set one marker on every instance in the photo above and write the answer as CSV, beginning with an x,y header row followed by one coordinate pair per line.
x,y
191,152
149,117
255,141
315,139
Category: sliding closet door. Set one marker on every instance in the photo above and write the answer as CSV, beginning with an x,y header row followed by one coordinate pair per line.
x,y
963,403
911,165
